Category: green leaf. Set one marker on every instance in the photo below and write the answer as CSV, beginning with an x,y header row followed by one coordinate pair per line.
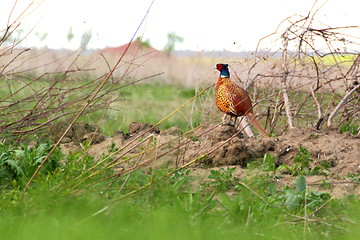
x,y
269,162
15,166
38,160
225,201
315,171
214,174
293,199
19,153
41,149
180,183
300,184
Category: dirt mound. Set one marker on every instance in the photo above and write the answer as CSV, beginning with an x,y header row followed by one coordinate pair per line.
x,y
79,132
222,146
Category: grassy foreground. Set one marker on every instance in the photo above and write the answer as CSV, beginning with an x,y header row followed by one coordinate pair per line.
x,y
67,201
126,221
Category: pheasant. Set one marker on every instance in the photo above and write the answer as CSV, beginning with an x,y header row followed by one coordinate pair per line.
x,y
233,99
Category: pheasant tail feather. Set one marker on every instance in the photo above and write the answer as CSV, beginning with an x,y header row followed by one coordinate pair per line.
x,y
256,124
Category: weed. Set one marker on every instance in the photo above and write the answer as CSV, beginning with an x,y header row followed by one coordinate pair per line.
x,y
301,165
180,180
354,176
352,128
169,201
223,179
17,165
194,138
112,148
269,163
325,164
325,184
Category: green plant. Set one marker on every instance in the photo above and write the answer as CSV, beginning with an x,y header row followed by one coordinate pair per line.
x,y
269,163
301,165
350,127
10,168
180,179
354,176
18,164
223,179
112,148
299,198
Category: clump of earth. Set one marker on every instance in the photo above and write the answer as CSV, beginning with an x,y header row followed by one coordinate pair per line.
x,y
222,146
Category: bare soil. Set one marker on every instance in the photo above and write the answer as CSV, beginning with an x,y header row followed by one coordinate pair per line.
x,y
216,146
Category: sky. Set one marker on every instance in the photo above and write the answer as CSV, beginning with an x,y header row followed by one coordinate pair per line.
x,y
234,25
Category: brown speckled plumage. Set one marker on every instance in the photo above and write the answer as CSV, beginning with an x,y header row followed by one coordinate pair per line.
x,y
233,99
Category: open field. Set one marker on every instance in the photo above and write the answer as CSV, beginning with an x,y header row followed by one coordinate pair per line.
x,y
146,190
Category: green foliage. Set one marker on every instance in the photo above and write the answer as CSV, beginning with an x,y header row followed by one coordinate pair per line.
x,y
68,198
172,39
354,176
12,35
301,165
85,39
299,198
352,128
223,179
340,59
269,163
41,36
18,164
143,43
70,35
302,162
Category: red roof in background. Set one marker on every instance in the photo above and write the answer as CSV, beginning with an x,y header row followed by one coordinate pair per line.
x,y
134,48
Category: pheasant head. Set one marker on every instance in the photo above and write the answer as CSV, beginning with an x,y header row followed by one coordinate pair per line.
x,y
224,71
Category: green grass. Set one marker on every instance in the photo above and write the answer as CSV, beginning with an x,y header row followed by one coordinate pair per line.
x,y
151,103
66,202
167,213
160,223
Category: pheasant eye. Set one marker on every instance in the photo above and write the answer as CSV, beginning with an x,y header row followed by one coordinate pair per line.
x,y
219,66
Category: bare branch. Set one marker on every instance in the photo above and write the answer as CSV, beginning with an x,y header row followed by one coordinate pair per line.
x,y
341,104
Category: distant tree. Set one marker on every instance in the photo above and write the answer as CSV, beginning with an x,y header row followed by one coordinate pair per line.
x,y
42,36
70,35
6,37
19,33
172,39
85,39
12,35
145,43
